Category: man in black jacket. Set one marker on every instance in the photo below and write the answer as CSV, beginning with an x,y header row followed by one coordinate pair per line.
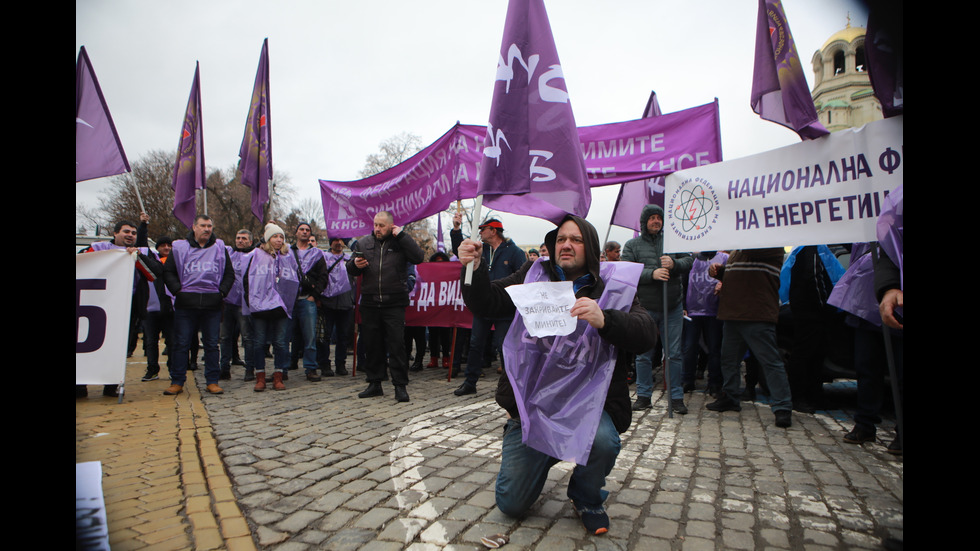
x,y
382,260
574,248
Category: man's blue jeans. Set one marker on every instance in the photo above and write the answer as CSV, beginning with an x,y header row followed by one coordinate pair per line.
x,y
644,361
187,323
478,339
523,470
304,319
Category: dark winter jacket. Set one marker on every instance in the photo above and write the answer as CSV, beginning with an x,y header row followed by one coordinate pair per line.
x,y
385,278
647,250
631,332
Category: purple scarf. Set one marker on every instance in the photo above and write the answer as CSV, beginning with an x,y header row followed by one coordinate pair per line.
x,y
560,383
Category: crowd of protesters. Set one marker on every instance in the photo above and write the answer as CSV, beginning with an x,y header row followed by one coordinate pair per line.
x,y
739,320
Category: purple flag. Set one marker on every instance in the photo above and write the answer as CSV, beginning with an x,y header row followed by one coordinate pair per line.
x,y
98,151
255,162
633,196
532,161
885,52
779,90
189,169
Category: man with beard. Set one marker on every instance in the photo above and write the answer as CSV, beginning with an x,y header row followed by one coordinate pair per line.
x,y
382,260
610,324
659,270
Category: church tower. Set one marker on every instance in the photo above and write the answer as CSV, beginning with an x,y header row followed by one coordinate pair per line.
x,y
842,91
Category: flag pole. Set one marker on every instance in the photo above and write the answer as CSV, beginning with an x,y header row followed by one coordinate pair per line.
x,y
663,341
890,360
138,196
474,230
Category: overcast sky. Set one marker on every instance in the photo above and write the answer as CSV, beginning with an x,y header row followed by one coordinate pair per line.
x,y
346,76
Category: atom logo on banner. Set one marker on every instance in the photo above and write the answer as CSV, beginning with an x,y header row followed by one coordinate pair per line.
x,y
695,206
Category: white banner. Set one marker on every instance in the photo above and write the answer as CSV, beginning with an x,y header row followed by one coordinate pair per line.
x,y
828,190
103,298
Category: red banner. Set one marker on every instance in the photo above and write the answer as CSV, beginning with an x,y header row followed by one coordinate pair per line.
x,y
436,300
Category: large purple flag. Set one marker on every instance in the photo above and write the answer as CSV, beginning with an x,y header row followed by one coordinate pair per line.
x,y
98,151
532,162
779,90
634,196
255,162
885,52
189,169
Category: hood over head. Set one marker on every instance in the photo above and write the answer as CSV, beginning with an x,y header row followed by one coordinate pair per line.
x,y
645,215
591,241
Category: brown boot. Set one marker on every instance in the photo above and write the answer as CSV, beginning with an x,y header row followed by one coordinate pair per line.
x,y
277,381
259,382
173,390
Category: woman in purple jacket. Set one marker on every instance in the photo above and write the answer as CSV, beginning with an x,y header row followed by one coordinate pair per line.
x,y
270,283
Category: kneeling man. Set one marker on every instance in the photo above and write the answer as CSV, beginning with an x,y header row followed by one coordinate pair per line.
x,y
566,396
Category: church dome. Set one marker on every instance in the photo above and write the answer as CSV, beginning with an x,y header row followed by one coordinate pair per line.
x,y
847,34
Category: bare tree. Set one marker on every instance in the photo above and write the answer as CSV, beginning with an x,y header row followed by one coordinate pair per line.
x,y
229,202
393,151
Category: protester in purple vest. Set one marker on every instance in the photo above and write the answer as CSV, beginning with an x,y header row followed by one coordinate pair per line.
x,y
590,364
701,305
126,236
270,283
313,279
233,323
854,293
199,274
159,318
336,309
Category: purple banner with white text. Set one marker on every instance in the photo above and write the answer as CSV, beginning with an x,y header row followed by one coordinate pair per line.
x,y
449,168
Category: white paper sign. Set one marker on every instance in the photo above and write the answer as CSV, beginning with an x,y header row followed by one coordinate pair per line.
x,y
545,306
91,523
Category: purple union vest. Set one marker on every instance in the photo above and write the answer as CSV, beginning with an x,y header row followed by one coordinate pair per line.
x,y
199,269
273,282
560,383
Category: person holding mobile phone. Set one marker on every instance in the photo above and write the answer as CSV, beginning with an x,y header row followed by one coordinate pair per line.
x,y
382,261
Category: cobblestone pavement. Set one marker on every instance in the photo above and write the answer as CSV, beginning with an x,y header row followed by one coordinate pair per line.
x,y
315,467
